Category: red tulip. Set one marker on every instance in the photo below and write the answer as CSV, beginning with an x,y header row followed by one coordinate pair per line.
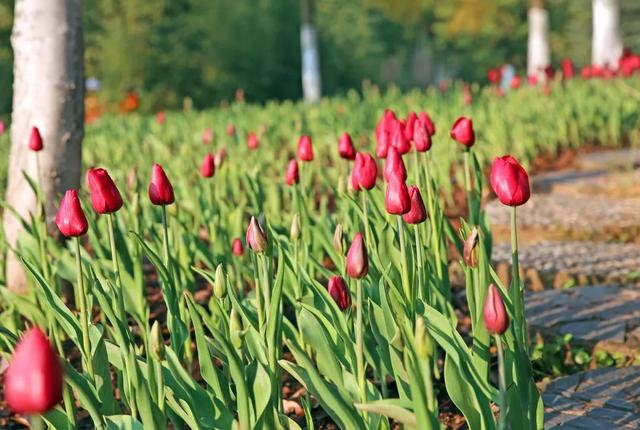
x,y
516,81
161,117
208,166
397,198
394,165
231,129
357,260
421,136
207,136
35,140
428,122
398,139
345,147
305,148
597,71
409,126
585,72
568,70
494,76
338,291
34,379
533,80
467,97
509,181
291,175
495,315
252,141
2,127
417,213
256,238
236,247
386,123
160,189
549,73
462,131
70,218
365,172
105,197
383,145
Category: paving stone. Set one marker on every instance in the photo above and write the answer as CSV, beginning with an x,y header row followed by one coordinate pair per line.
x,y
595,399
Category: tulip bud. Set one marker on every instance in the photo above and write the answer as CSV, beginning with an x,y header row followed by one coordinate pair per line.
x,y
468,252
295,228
305,148
291,175
462,131
357,259
105,197
338,291
220,284
398,139
345,147
220,156
428,123
495,315
236,247
338,240
394,165
417,213
35,140
256,238
365,172
208,166
423,340
231,130
160,189
397,199
252,141
410,126
156,342
235,329
132,179
70,218
384,142
207,136
421,136
509,181
34,379
161,117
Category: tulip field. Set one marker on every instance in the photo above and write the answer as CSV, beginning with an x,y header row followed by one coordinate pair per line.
x,y
287,265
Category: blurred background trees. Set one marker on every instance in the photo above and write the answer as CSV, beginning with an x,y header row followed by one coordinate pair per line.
x,y
167,50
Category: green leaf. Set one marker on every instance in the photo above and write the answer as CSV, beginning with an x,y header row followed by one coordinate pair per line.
x,y
392,408
123,422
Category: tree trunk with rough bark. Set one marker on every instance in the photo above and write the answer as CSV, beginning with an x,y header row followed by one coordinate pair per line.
x,y
311,81
607,37
48,92
538,56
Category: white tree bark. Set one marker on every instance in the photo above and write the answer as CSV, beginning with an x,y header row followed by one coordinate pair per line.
x,y
311,82
607,37
48,92
538,57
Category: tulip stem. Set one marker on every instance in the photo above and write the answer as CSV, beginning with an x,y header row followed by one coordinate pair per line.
x,y
165,238
467,182
116,266
502,384
84,315
419,267
360,344
42,243
36,422
365,214
258,292
435,237
516,292
406,285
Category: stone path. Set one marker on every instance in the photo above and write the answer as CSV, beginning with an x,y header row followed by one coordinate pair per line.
x,y
596,399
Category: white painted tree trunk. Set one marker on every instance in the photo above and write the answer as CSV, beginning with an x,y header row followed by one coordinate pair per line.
x,y
538,57
607,36
311,82
48,92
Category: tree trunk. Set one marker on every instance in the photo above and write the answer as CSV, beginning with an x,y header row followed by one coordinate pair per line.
x,y
607,37
538,57
48,92
311,81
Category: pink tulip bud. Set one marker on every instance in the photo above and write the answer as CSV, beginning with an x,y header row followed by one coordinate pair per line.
x,y
345,147
35,140
398,139
421,136
509,181
428,122
207,136
34,379
236,247
231,129
409,126
220,156
70,218
495,315
252,141
208,166
417,213
2,127
161,117
291,175
365,172
256,238
585,72
105,197
357,260
515,82
338,291
468,251
160,189
532,80
397,199
305,148
382,147
394,165
568,70
462,131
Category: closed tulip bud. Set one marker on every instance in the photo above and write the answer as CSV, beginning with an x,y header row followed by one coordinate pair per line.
x,y
156,342
509,181
495,315
207,136
305,148
132,179
235,329
231,130
35,140
428,122
394,165
220,284
357,259
256,238
2,127
516,82
423,340
70,218
384,142
585,72
291,175
469,249
208,166
339,293
295,228
161,117
345,147
365,172
421,136
462,131
252,141
338,239
398,139
532,80
160,189
417,213
397,199
33,381
236,247
410,125
105,197
220,156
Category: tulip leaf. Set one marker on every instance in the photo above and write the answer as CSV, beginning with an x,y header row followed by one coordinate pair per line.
x,y
123,422
392,408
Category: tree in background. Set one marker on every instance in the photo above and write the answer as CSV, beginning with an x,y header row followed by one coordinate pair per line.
x,y
538,52
607,34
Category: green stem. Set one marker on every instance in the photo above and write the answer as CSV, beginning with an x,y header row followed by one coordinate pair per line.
x,y
36,422
160,383
502,384
165,238
365,219
428,381
435,237
419,268
258,293
84,315
406,284
360,344
516,291
469,189
116,266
